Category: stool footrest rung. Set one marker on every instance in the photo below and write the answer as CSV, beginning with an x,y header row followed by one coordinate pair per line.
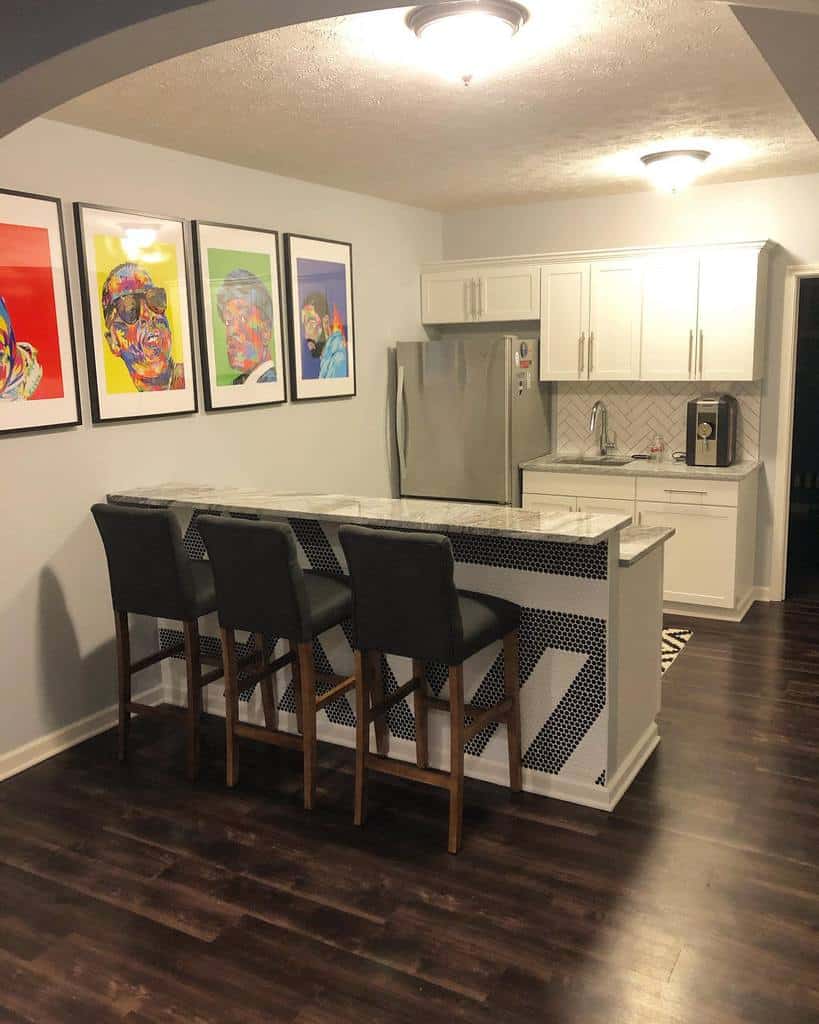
x,y
346,683
135,708
483,716
403,691
152,659
406,770
273,737
262,673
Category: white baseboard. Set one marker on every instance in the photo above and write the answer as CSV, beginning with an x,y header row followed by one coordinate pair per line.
x,y
763,594
43,747
702,611
633,762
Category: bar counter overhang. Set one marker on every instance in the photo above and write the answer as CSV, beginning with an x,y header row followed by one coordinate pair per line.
x,y
591,593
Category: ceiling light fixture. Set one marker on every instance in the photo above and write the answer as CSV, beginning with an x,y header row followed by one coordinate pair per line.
x,y
674,169
466,38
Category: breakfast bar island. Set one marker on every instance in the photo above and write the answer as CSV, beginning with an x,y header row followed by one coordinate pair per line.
x,y
590,588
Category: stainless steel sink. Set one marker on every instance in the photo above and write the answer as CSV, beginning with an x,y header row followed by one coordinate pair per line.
x,y
592,460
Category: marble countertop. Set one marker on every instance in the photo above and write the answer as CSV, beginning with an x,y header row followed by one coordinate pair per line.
x,y
638,541
440,516
643,467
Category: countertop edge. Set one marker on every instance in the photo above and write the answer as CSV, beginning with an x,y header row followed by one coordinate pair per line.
x,y
124,498
637,467
642,541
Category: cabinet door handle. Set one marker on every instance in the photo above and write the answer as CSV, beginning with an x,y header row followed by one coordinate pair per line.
x,y
690,351
591,351
581,352
468,299
479,287
701,348
681,490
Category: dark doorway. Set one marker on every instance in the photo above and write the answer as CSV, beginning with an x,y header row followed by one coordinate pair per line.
x,y
803,537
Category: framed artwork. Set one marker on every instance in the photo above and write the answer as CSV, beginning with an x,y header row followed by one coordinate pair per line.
x,y
240,319
137,313
320,308
38,364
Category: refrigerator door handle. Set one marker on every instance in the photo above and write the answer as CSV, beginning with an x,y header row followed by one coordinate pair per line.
x,y
400,423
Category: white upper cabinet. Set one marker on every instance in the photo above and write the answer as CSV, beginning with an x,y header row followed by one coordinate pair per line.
x,y
447,297
615,307
731,326
481,294
564,321
508,293
669,337
655,314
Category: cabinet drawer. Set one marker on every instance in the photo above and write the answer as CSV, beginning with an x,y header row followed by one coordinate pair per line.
x,y
549,503
613,506
688,492
586,485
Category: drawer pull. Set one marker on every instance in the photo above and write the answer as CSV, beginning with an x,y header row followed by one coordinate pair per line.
x,y
680,490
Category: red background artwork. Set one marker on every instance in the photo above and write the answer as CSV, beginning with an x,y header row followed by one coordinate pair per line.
x,y
27,285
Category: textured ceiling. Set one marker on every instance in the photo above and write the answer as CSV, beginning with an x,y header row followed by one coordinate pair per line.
x,y
594,83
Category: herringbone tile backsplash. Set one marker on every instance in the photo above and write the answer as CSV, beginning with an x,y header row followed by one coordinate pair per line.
x,y
639,410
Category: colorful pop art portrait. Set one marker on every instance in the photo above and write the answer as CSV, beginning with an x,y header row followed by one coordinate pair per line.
x,y
135,299
38,374
240,322
320,309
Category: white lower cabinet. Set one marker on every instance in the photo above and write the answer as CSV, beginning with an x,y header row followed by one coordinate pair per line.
x,y
549,503
709,562
701,556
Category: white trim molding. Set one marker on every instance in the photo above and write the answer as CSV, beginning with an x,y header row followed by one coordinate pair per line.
x,y
784,444
44,747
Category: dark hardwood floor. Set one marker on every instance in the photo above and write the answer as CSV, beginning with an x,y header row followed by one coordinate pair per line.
x,y
129,895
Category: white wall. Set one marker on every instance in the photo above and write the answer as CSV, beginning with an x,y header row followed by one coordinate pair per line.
x,y
786,210
55,617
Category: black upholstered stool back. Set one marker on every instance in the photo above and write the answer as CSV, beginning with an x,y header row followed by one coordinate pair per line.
x,y
148,567
404,596
259,582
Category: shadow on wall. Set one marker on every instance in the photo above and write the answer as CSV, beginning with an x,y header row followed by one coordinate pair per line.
x,y
72,685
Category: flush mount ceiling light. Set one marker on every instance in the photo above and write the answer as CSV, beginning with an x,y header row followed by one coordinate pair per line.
x,y
674,169
466,38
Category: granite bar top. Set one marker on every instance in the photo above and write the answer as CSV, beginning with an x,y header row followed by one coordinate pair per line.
x,y
638,541
412,513
643,467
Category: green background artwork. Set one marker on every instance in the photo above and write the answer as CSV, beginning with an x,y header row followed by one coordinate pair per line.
x,y
220,264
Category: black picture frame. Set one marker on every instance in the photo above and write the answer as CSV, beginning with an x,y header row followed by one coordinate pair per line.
x,y
306,389
67,343
98,414
203,296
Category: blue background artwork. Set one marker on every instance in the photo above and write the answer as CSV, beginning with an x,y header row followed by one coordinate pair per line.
x,y
330,278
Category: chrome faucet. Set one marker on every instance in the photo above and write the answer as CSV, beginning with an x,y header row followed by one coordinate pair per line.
x,y
599,411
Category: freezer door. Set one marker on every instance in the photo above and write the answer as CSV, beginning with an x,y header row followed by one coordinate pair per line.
x,y
452,418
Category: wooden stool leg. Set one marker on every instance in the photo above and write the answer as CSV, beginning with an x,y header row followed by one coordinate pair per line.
x,y
297,686
376,687
308,717
193,672
362,736
124,680
421,709
456,756
231,704
266,684
511,682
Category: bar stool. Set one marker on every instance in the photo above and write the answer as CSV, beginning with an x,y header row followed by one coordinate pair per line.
x,y
405,603
150,574
261,588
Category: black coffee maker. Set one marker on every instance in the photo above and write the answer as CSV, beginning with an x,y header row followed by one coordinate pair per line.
x,y
711,431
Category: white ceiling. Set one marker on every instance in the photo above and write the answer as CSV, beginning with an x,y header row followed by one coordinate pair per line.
x,y
348,102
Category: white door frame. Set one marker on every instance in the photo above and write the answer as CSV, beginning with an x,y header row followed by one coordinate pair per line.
x,y
784,444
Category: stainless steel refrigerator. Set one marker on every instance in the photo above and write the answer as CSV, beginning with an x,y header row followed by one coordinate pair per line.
x,y
468,410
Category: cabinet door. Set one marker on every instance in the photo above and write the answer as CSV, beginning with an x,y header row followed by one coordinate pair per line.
x,y
614,320
700,559
727,314
564,321
549,503
448,296
617,506
670,282
508,293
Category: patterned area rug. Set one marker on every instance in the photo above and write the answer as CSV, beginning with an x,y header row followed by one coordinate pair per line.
x,y
674,641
